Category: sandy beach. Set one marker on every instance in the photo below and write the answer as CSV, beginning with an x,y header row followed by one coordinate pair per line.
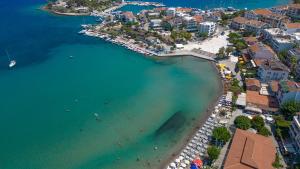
x,y
202,119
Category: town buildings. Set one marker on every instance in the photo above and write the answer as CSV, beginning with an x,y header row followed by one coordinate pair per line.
x,y
294,11
273,70
250,25
267,16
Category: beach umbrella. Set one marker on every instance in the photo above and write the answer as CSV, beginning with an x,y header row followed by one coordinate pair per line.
x,y
193,166
198,162
173,165
187,162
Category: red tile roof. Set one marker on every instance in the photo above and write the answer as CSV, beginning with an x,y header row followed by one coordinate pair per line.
x,y
263,12
184,10
250,151
253,98
252,82
198,18
293,25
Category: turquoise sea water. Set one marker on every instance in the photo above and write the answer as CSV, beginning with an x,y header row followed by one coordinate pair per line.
x,y
48,101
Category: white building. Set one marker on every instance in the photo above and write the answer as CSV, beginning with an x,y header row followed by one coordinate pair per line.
x,y
207,27
155,23
171,12
279,39
295,132
272,70
190,24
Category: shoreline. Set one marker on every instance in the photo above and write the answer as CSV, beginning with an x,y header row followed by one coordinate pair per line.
x,y
202,119
44,8
124,42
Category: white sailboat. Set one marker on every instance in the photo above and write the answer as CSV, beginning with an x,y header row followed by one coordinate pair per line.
x,y
12,63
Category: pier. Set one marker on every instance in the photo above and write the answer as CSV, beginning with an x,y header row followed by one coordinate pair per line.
x,y
188,53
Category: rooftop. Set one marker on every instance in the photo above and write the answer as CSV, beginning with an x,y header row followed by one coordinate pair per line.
x,y
251,40
297,6
262,12
274,65
261,101
128,14
252,82
274,86
259,50
293,25
187,10
250,151
289,86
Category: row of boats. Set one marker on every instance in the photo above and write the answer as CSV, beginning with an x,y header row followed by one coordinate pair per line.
x,y
119,42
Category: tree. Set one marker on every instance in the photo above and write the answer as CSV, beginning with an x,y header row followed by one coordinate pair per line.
x,y
242,122
289,109
229,50
221,53
278,133
282,126
257,122
213,152
167,26
276,163
203,34
264,131
221,134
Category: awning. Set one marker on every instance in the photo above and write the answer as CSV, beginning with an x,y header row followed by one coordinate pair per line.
x,y
253,109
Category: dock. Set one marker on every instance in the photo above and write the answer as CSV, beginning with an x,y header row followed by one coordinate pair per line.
x,y
188,53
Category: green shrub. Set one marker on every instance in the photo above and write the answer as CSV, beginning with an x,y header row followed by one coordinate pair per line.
x,y
242,122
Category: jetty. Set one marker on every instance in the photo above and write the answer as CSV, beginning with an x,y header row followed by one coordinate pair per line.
x,y
188,53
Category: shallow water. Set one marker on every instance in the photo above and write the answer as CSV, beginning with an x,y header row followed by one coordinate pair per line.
x,y
48,101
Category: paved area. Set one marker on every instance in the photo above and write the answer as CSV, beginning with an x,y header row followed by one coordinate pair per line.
x,y
277,146
211,45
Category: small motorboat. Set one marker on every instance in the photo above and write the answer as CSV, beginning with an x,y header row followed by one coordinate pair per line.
x,y
12,63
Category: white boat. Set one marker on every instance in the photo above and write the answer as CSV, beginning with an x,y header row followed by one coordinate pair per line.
x,y
82,32
12,63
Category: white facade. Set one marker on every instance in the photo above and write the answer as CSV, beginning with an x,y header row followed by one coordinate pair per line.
x,y
156,23
273,70
207,27
295,132
279,40
190,24
171,12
